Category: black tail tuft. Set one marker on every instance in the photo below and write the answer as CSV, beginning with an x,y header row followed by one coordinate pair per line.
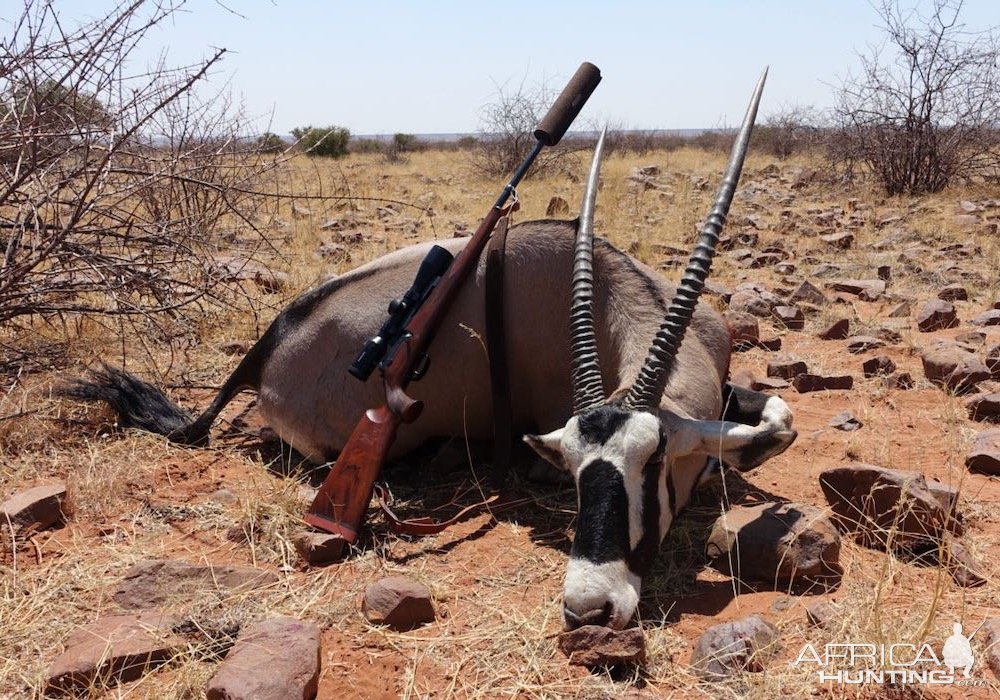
x,y
138,405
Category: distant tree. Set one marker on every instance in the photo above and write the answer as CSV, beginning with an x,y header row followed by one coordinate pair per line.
x,y
322,141
925,109
790,130
507,127
400,145
367,146
270,142
403,142
56,112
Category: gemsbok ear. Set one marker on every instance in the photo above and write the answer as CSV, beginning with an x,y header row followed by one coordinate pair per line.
x,y
549,447
737,445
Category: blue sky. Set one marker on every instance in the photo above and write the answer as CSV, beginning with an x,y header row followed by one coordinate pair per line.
x,y
426,67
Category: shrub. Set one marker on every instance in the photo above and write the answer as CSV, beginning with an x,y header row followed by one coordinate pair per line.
x,y
791,130
271,143
924,109
330,141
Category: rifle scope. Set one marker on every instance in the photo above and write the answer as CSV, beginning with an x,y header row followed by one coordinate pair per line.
x,y
401,311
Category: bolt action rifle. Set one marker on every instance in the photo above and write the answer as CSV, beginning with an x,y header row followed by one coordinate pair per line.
x,y
400,348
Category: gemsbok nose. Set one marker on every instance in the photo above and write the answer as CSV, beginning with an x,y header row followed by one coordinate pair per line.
x,y
598,616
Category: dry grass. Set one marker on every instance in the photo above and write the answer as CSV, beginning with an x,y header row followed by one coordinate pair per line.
x,y
497,586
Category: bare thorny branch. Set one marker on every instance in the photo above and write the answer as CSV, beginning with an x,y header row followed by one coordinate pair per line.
x,y
120,186
925,109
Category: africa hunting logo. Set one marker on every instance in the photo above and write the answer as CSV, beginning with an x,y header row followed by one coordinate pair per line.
x,y
858,663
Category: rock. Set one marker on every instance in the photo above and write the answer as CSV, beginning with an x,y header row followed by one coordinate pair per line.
x,y
805,383
300,212
971,340
398,602
334,252
791,317
769,384
749,302
953,367
808,293
387,212
557,207
887,335
350,237
769,297
744,329
869,289
964,569
953,292
901,310
803,177
733,647
993,361
946,495
984,457
34,509
772,344
842,240
592,646
966,222
991,641
838,330
233,268
987,318
824,269
783,543
742,377
984,407
878,366
936,315
277,659
823,614
114,649
786,369
884,508
899,380
319,548
159,582
846,421
863,343
718,289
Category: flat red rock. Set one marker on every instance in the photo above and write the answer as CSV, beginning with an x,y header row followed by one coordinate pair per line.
x,y
277,659
114,649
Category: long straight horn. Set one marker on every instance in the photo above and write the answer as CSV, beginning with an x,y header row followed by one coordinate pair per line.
x,y
588,389
652,380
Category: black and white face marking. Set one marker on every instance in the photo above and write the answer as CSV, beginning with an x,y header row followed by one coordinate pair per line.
x,y
616,458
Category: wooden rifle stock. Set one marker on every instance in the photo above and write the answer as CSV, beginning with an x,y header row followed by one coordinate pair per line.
x,y
342,501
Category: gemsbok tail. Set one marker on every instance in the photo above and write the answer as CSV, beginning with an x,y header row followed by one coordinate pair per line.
x,y
139,405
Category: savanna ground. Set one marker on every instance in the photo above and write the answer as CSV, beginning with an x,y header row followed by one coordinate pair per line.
x,y
497,582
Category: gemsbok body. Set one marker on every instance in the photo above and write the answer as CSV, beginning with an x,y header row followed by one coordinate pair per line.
x,y
615,376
